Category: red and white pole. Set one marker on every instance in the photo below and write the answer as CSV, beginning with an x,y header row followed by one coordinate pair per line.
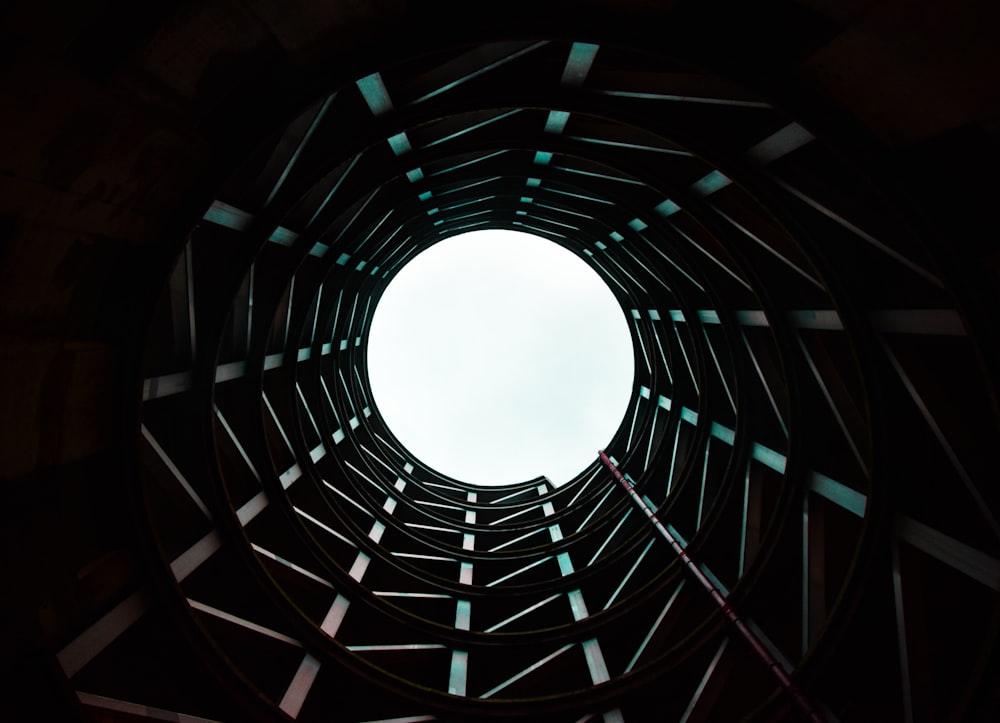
x,y
752,639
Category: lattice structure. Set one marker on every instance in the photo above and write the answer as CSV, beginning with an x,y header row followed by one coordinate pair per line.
x,y
808,423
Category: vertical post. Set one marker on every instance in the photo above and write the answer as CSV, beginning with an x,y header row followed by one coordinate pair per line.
x,y
813,568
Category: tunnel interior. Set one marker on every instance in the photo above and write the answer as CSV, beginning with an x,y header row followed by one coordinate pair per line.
x,y
796,519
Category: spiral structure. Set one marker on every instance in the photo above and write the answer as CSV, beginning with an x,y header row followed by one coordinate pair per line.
x,y
795,519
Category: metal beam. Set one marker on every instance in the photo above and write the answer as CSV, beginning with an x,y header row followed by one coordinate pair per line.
x,y
956,554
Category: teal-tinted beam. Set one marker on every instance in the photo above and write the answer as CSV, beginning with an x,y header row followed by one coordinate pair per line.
x,y
480,71
718,367
467,186
376,96
400,143
456,167
475,126
605,176
452,229
581,58
769,457
556,121
374,230
667,208
229,216
354,218
386,240
723,433
561,210
684,98
547,220
630,146
298,149
453,206
333,190
710,183
462,217
632,278
687,361
711,257
536,229
282,236
605,271
767,247
666,257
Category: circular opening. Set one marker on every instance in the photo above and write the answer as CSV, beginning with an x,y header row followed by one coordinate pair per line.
x,y
498,356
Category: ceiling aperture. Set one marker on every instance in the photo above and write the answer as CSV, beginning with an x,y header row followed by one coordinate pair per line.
x,y
482,359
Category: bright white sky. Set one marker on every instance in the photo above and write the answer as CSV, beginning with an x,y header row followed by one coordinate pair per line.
x,y
498,356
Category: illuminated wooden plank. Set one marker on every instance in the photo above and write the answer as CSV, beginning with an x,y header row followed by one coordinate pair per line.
x,y
89,644
243,623
166,385
147,435
295,695
527,671
137,709
967,560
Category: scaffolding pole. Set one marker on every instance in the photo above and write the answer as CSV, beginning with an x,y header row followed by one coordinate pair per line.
x,y
789,686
